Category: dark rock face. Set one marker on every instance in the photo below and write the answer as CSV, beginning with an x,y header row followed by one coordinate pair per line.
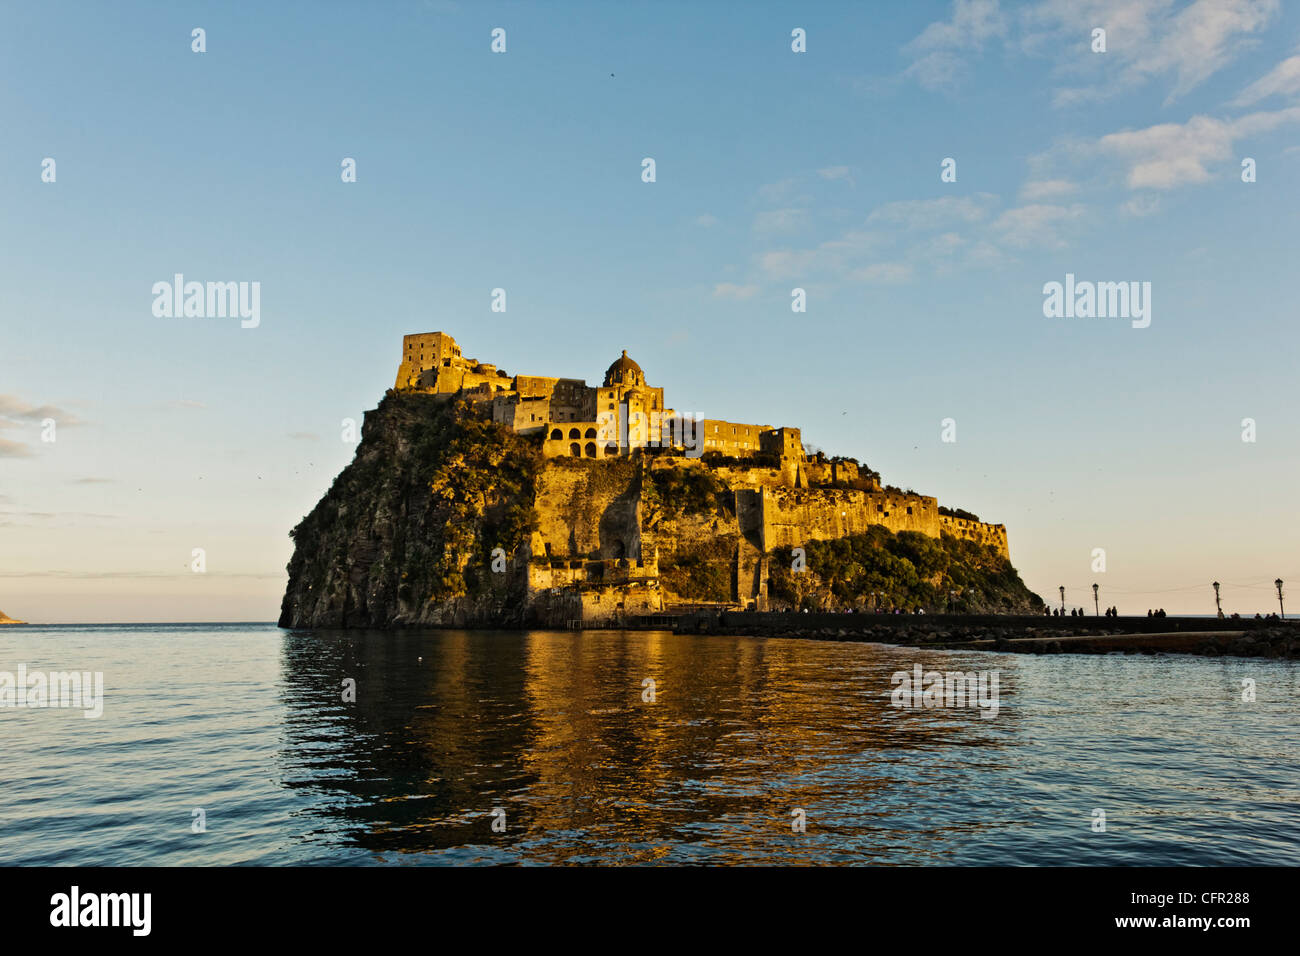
x,y
405,535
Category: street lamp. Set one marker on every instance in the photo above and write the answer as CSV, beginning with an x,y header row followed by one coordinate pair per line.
x,y
1095,606
1278,585
1217,606
1062,600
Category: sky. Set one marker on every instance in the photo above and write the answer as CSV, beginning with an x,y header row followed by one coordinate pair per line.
x,y
774,170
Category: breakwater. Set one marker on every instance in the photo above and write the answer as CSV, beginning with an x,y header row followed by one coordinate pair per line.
x,y
1239,637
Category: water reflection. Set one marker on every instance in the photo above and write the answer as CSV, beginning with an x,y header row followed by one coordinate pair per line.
x,y
552,728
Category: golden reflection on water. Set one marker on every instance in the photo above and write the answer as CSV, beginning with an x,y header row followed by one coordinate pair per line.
x,y
552,727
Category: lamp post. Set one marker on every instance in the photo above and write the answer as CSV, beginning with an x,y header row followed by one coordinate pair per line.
x,y
1217,605
1095,606
1062,589
1278,585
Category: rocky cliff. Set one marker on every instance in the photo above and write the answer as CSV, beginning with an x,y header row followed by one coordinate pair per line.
x,y
446,519
6,619
405,534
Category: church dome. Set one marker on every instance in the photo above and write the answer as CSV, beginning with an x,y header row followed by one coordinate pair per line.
x,y
624,371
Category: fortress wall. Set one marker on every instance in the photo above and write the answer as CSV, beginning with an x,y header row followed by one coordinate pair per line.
x,y
749,477
791,517
589,509
605,603
526,416
572,400
785,442
981,532
535,386
732,438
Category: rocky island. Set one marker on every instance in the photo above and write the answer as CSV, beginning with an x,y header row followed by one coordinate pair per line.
x,y
6,619
477,498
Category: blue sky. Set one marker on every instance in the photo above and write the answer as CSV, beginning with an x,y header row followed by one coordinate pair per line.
x,y
774,170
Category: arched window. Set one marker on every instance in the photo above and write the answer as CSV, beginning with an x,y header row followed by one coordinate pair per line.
x,y
575,450
591,449
611,451
591,433
557,435
574,433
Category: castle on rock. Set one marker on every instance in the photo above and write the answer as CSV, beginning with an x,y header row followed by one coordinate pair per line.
x,y
783,494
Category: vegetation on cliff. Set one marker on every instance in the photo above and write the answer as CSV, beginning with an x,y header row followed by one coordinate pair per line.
x,y
907,570
408,528
686,491
699,509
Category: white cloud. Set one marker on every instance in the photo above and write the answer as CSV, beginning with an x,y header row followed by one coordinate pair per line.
x,y
729,290
1177,154
835,172
883,272
14,408
1203,38
835,256
973,22
780,220
777,191
1046,189
1283,80
706,220
1140,206
937,71
942,246
935,213
1037,225
1145,40
940,49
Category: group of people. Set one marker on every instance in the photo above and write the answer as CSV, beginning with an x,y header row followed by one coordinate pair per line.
x,y
1078,612
1157,613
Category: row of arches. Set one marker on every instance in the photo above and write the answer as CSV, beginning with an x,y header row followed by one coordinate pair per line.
x,y
558,434
578,451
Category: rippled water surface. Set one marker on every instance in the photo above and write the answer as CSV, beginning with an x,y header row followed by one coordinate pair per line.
x,y
247,722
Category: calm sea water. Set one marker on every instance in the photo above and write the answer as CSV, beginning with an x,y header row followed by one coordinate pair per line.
x,y
247,723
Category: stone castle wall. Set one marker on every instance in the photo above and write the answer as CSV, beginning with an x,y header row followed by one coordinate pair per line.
x,y
978,531
588,542
793,516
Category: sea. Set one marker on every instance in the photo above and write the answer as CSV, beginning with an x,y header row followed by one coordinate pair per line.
x,y
224,744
